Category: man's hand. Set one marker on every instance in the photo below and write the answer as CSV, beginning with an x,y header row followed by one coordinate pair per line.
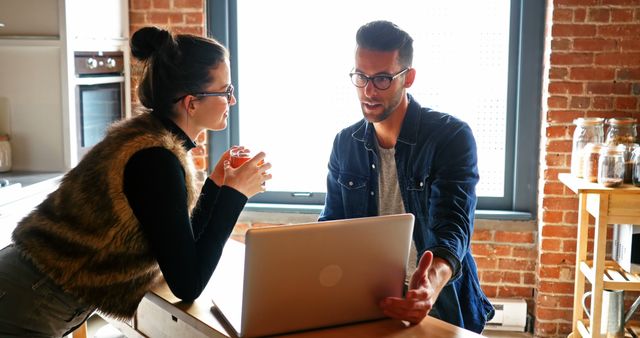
x,y
427,281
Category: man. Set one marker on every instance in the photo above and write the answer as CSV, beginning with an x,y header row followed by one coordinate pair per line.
x,y
405,158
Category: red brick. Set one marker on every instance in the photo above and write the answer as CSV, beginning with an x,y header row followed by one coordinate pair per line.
x,y
549,272
545,329
630,45
197,4
569,245
602,102
571,217
511,277
621,15
553,314
563,87
563,116
572,30
571,3
524,252
598,14
579,102
557,258
592,73
556,287
515,291
482,235
560,146
628,74
139,4
558,73
626,103
492,276
562,15
608,88
482,250
161,4
619,31
555,160
528,278
579,15
516,264
571,58
558,45
137,18
514,237
549,244
618,59
486,263
194,18
557,102
559,231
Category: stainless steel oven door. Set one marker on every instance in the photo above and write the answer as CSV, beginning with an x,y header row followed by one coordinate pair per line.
x,y
99,102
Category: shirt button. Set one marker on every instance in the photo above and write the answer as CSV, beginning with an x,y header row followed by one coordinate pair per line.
x,y
372,193
351,183
373,166
421,183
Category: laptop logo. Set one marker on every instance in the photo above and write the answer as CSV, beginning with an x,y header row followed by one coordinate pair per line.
x,y
330,275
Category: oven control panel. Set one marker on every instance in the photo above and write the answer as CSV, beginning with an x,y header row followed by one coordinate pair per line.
x,y
96,63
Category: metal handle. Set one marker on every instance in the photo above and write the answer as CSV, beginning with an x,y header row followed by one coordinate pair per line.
x,y
1,25
584,303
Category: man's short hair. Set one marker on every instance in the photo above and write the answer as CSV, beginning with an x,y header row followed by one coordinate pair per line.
x,y
385,36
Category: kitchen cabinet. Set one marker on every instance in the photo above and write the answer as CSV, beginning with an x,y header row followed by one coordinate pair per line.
x,y
29,19
619,205
37,75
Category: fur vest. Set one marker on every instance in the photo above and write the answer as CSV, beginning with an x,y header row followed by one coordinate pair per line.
x,y
84,235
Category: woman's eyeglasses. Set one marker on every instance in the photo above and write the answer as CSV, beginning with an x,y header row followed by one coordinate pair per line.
x,y
228,93
381,82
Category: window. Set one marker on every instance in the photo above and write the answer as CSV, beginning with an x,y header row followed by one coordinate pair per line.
x,y
290,64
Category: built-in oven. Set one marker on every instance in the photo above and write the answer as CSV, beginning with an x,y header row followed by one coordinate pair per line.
x,y
100,95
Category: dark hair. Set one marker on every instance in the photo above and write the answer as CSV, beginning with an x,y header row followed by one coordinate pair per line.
x,y
385,36
173,66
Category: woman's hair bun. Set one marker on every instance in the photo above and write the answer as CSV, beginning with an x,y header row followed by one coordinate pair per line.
x,y
147,40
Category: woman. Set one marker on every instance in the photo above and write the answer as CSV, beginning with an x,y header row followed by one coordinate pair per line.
x,y
129,214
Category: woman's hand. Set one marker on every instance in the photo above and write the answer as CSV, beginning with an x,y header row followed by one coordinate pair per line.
x,y
217,175
249,178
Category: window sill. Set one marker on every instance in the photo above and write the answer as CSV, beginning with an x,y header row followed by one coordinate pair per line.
x,y
300,213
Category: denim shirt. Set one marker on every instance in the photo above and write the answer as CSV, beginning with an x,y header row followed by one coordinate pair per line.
x,y
436,162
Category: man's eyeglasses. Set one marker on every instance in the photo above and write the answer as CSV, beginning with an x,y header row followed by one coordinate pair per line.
x,y
381,82
228,93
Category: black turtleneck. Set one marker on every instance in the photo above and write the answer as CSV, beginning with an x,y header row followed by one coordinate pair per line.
x,y
187,250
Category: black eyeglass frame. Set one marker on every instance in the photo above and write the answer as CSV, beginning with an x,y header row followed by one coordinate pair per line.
x,y
366,78
228,93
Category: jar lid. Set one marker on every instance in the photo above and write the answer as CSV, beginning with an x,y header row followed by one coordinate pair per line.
x,y
4,137
620,121
588,121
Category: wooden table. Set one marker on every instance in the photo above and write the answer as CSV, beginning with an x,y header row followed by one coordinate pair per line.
x,y
161,314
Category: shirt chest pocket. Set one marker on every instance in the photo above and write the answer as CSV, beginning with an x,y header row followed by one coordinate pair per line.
x,y
417,183
355,195
352,182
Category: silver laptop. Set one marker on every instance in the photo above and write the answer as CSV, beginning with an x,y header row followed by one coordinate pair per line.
x,y
312,275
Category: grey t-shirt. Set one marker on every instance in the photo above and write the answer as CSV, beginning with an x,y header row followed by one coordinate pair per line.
x,y
389,197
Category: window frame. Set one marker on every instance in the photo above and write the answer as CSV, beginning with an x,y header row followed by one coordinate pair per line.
x,y
523,113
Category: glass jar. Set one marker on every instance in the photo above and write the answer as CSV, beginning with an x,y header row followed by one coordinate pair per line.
x,y
622,130
591,154
588,130
628,162
611,166
635,159
5,153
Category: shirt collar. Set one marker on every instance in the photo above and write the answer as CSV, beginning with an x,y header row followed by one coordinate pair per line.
x,y
174,129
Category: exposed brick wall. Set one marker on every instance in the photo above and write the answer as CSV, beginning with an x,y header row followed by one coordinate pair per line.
x,y
506,261
177,16
592,68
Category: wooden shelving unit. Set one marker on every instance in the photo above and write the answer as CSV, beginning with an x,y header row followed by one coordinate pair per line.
x,y
620,205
